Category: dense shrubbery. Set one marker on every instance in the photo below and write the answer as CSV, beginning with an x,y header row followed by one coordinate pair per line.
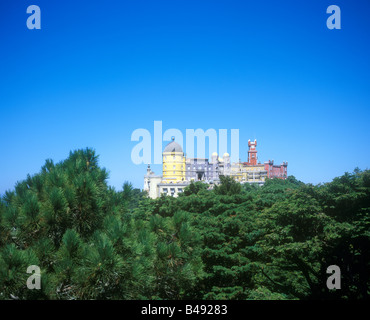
x,y
233,242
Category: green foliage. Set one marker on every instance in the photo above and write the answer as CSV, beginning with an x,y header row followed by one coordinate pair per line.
x,y
228,186
234,241
194,188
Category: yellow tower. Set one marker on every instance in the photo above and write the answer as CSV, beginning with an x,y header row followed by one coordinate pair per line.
x,y
173,163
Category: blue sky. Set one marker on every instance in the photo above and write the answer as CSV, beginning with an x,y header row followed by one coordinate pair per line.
x,y
96,71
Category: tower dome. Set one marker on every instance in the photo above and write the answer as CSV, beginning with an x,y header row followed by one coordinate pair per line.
x,y
173,147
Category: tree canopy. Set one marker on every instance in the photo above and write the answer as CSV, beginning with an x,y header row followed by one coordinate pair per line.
x,y
232,242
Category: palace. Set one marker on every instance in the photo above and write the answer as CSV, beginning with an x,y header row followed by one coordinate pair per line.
x,y
179,171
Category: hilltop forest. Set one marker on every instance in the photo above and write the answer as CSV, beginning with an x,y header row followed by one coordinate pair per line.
x,y
239,242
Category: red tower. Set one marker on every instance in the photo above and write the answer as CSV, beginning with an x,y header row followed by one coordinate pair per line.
x,y
252,153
